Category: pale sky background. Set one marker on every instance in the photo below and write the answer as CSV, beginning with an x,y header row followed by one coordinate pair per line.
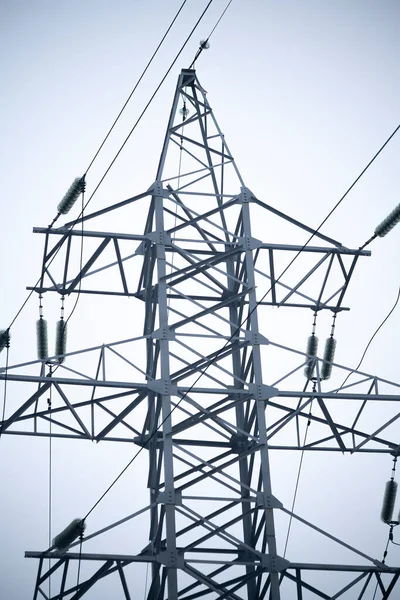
x,y
306,93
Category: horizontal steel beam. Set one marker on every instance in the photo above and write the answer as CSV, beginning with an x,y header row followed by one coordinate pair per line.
x,y
130,558
183,390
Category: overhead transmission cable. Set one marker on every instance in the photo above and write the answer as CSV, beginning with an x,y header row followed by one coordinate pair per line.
x,y
136,85
371,339
383,561
215,357
299,473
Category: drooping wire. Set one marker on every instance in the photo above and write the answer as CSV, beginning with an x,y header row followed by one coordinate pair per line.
x,y
212,361
299,471
383,561
370,340
136,85
391,536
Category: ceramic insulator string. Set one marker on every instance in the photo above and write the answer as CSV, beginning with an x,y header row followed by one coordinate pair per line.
x,y
71,533
329,355
389,498
387,224
75,190
42,339
41,333
61,334
312,349
329,351
61,340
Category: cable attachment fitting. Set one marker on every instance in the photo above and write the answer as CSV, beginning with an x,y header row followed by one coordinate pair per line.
x,y
184,111
204,45
5,338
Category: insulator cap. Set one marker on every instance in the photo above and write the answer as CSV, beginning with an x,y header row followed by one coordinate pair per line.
x,y
71,533
4,339
42,339
389,498
75,190
387,224
61,340
204,44
312,349
329,354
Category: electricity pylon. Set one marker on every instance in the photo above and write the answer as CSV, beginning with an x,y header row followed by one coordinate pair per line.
x,y
197,391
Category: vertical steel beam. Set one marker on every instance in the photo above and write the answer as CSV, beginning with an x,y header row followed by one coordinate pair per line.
x,y
169,488
260,405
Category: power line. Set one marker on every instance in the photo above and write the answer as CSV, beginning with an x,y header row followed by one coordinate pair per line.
x,y
298,474
220,19
383,561
136,85
358,179
211,362
371,338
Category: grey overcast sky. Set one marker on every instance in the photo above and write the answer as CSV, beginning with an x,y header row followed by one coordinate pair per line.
x,y
306,93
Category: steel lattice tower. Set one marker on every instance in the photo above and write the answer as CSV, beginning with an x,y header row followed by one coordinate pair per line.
x,y
197,393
